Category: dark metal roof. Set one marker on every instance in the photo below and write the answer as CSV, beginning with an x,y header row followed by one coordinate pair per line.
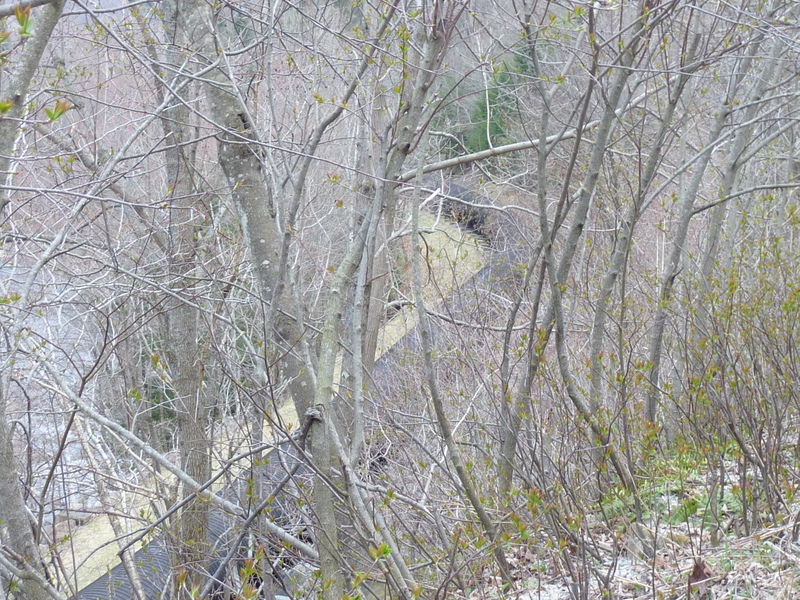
x,y
153,565
153,560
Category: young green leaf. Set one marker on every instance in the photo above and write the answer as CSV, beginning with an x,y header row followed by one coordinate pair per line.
x,y
60,108
23,15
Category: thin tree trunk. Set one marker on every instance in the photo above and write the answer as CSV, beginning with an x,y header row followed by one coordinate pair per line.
x,y
264,231
686,210
15,526
622,247
489,526
733,167
581,208
20,84
181,330
98,474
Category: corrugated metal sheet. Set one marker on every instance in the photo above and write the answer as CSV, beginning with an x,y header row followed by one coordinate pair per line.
x,y
153,560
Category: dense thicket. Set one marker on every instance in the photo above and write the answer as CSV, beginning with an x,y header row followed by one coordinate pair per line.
x,y
524,274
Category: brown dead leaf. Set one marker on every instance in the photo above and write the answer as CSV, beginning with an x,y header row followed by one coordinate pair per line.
x,y
700,579
529,556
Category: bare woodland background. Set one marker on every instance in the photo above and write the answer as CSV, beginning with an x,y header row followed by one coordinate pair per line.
x,y
211,210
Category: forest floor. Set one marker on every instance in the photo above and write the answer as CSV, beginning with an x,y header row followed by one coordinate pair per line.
x,y
762,566
674,557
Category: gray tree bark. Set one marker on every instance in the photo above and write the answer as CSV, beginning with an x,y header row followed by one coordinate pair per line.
x,y
19,87
182,348
625,234
559,269
686,210
16,532
15,525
